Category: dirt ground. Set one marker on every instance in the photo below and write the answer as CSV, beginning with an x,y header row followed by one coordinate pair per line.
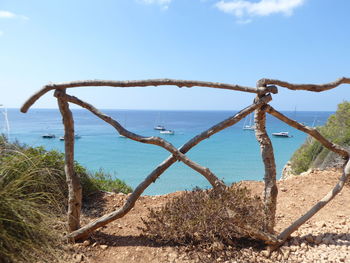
x,y
324,238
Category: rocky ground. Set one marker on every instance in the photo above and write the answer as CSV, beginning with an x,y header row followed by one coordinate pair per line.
x,y
324,238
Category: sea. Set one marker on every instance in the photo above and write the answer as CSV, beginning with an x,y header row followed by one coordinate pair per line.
x,y
232,154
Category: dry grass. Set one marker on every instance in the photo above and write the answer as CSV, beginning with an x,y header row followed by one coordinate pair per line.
x,y
218,222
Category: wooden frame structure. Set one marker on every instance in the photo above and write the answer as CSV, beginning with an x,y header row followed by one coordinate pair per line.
x,y
263,91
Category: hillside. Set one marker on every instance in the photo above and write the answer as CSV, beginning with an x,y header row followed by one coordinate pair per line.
x,y
313,155
324,238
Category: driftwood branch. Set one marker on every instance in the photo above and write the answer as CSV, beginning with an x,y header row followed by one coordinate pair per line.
x,y
84,232
209,175
317,207
311,131
309,87
270,190
73,181
142,83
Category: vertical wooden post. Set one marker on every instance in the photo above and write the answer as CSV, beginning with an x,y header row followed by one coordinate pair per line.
x,y
73,180
270,191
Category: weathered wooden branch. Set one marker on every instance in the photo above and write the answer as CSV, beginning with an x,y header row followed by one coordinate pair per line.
x,y
84,232
317,207
209,175
73,181
309,87
142,83
311,131
270,190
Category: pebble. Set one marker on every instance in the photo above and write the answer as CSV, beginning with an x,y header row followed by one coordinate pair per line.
x,y
103,246
86,243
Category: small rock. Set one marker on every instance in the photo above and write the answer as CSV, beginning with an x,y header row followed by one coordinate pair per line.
x,y
283,189
321,224
318,240
309,238
94,244
79,258
265,253
103,246
86,243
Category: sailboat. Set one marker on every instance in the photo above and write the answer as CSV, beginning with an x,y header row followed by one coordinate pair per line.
x,y
250,126
6,128
159,127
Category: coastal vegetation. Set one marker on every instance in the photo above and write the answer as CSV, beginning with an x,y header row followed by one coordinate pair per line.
x,y
217,222
33,200
312,154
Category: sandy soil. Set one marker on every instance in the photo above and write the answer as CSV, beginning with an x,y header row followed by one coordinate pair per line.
x,y
324,238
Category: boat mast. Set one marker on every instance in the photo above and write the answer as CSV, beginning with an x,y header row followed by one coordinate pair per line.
x,y
6,128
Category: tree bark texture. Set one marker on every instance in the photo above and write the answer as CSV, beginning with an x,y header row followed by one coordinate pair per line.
x,y
270,190
84,232
142,83
73,181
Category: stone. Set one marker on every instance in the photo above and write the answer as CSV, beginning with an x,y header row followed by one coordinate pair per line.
x,y
310,239
103,246
318,240
86,243
79,258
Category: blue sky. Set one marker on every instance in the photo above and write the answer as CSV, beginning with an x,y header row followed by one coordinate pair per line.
x,y
300,41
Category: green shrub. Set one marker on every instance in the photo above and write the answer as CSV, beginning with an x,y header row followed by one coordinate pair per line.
x,y
208,220
30,197
103,181
337,130
33,196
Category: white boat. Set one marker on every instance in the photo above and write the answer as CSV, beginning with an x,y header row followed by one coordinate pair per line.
x,y
168,132
281,134
250,126
5,128
160,128
48,136
77,136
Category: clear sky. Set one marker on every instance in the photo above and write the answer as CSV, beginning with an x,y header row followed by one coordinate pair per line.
x,y
300,41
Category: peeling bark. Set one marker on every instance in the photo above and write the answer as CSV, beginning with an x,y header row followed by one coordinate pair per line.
x,y
142,83
309,87
73,181
270,190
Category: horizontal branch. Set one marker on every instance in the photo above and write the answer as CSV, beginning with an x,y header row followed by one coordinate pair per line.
x,y
141,83
153,176
311,131
309,87
214,181
325,200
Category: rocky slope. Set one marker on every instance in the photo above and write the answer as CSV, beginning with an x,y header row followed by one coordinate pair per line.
x,y
324,238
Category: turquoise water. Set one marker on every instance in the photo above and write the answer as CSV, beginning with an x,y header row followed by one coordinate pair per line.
x,y
232,154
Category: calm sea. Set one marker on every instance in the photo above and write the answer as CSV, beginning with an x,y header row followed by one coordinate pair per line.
x,y
232,154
